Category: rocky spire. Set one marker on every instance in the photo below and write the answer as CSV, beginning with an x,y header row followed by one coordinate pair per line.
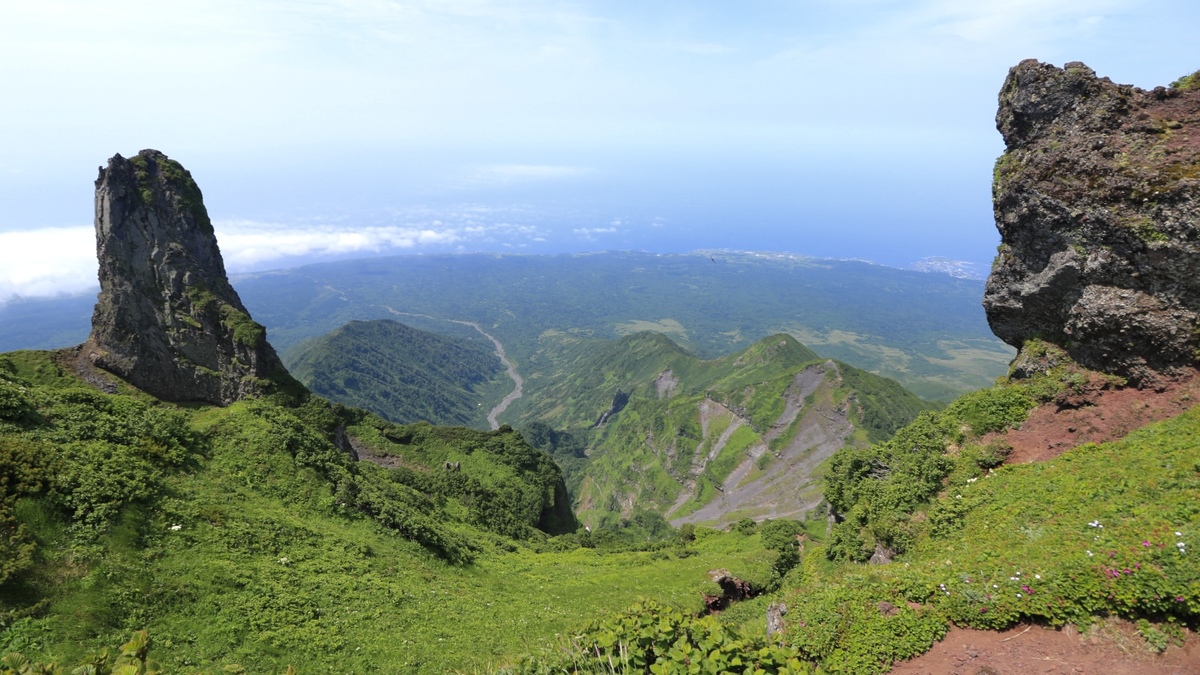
x,y
167,320
1097,199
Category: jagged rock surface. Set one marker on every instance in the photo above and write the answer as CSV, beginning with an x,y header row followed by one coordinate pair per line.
x,y
1097,199
166,319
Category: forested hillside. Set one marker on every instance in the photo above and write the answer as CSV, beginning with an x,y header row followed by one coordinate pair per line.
x,y
400,373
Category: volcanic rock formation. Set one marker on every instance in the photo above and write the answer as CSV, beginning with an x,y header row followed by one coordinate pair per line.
x,y
167,320
1097,199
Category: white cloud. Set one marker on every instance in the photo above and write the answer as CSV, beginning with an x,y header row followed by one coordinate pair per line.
x,y
589,233
53,261
46,262
247,245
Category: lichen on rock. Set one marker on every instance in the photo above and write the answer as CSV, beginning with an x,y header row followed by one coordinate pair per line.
x,y
1097,200
167,320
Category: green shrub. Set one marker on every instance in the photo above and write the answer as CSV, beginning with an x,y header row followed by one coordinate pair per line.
x,y
1187,82
651,638
133,659
991,410
780,536
876,489
745,526
858,626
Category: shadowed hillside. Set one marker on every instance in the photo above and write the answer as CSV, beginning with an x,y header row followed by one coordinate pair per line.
x,y
401,373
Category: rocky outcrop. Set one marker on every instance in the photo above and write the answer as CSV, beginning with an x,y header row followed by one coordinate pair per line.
x,y
167,320
1097,199
733,590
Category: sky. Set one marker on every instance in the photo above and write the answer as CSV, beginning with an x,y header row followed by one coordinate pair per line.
x,y
323,129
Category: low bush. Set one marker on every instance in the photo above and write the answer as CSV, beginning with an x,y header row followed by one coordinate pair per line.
x,y
652,638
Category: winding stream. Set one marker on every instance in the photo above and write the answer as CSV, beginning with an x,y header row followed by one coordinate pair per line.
x,y
518,383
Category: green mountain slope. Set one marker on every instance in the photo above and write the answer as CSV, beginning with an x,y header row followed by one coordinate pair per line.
x,y
244,534
1102,532
709,441
400,373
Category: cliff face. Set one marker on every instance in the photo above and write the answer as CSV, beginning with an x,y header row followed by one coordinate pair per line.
x,y
1097,199
166,319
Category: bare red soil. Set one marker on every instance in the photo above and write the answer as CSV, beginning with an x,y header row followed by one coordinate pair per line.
x,y
1111,648
1095,413
1092,413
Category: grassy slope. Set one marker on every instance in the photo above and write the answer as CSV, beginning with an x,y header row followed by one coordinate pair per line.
x,y
582,376
401,373
240,550
1103,530
1020,544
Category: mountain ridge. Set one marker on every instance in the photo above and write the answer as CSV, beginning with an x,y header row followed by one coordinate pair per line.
x,y
733,437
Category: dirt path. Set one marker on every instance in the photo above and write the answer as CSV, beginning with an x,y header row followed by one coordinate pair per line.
x,y
1111,648
518,382
1095,414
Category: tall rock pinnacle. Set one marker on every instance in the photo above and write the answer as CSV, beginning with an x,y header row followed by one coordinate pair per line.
x,y
1097,199
167,320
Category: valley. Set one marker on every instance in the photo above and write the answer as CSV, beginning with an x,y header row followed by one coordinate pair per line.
x,y
925,330
635,466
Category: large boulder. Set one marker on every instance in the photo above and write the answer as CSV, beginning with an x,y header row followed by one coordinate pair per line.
x,y
1097,199
167,320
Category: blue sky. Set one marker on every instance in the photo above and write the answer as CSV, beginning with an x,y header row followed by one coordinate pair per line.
x,y
327,128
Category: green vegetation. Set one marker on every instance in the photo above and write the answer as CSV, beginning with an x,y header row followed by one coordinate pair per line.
x,y
1101,531
684,420
177,179
926,331
400,373
567,449
133,659
651,638
1187,82
246,331
243,538
877,489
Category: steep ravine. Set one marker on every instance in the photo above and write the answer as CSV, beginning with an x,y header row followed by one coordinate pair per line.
x,y
784,488
511,368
